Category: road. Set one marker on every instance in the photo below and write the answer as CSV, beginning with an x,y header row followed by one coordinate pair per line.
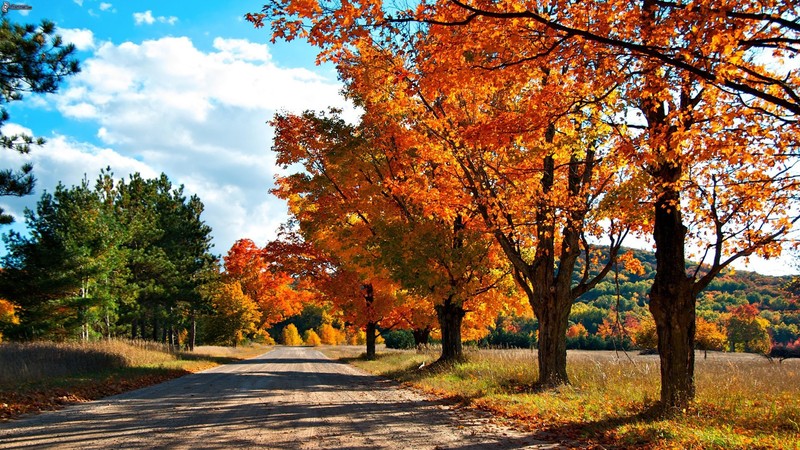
x,y
289,398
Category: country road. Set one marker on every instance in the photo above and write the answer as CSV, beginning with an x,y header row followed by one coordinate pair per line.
x,y
289,398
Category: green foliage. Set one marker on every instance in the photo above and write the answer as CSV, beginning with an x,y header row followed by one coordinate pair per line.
x,y
34,59
400,339
108,260
235,316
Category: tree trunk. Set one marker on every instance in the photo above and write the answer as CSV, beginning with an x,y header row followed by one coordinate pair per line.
x,y
552,348
672,302
421,336
371,335
450,315
134,324
192,333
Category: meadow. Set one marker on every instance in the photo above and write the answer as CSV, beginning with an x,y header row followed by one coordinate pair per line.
x,y
42,376
744,401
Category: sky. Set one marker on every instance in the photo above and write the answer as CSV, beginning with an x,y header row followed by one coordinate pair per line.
x,y
179,87
185,88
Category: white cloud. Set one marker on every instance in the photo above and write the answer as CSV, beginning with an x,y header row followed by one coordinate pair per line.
x,y
198,116
78,2
105,6
148,18
83,39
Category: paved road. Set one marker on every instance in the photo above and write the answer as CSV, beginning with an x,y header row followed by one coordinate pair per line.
x,y
289,398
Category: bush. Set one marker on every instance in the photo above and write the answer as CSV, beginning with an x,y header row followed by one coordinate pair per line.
x,y
291,336
311,338
401,339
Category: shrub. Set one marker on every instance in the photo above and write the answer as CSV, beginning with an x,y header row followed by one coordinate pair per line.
x,y
401,339
291,336
310,337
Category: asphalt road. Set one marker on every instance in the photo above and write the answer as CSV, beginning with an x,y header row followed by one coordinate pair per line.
x,y
289,398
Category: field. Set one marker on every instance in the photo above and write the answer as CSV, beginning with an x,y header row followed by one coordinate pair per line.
x,y
43,376
743,400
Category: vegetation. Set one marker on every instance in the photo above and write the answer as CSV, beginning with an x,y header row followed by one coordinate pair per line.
x,y
743,401
124,258
34,59
44,375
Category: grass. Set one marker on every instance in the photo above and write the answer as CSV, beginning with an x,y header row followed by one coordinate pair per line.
x,y
743,401
44,375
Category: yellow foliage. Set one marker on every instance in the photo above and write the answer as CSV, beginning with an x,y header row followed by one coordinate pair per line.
x,y
330,335
291,336
311,338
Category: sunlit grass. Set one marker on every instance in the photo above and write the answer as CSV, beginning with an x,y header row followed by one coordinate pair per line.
x,y
743,401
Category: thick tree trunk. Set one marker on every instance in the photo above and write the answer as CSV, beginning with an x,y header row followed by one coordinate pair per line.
x,y
552,348
371,335
450,315
672,303
421,336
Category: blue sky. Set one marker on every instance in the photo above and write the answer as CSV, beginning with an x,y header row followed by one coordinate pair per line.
x,y
180,87
185,88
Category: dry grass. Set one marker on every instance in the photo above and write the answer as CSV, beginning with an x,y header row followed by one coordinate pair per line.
x,y
44,375
743,401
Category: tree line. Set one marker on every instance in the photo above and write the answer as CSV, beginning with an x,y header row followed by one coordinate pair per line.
x,y
537,127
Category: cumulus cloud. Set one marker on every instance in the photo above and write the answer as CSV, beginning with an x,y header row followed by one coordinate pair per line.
x,y
198,116
147,18
105,6
83,39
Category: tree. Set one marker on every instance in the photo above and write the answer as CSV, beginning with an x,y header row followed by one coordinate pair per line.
x,y
34,59
235,316
709,336
102,261
277,294
290,336
310,337
747,332
715,94
8,315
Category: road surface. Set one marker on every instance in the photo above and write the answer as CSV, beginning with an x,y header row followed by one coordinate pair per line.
x,y
289,398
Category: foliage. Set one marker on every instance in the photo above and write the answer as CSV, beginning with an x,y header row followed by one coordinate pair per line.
x,y
8,315
310,337
329,335
34,59
747,331
109,260
290,336
235,316
399,339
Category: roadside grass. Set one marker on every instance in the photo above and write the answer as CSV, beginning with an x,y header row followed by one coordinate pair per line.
x,y
743,401
42,376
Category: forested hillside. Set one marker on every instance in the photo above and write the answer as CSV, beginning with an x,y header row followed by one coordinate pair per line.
x,y
740,310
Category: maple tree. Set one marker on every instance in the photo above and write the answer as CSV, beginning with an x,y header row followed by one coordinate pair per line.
x,y
709,336
277,294
747,331
351,201
703,120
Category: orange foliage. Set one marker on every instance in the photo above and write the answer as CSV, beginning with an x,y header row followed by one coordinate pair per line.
x,y
277,294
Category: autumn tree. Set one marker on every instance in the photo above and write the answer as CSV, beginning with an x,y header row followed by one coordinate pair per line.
x,y
361,172
277,294
712,144
747,332
8,315
34,59
234,317
709,336
290,336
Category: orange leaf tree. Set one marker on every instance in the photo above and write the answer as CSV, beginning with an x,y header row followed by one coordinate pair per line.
x,y
695,93
277,294
351,201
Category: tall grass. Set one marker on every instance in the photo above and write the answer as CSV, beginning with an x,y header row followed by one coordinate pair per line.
x,y
43,360
743,401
